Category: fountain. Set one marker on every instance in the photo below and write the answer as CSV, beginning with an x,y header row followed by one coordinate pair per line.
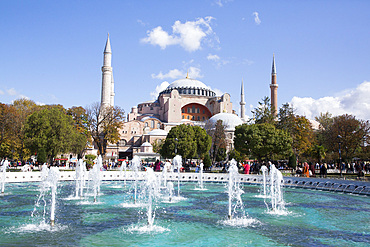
x,y
49,179
177,162
201,186
264,170
4,166
166,169
276,195
234,192
135,164
80,177
95,176
201,216
122,169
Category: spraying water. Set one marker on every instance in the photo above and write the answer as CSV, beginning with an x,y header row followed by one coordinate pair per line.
x,y
123,169
177,162
135,167
264,170
234,191
79,178
201,186
95,174
4,166
152,191
49,179
276,195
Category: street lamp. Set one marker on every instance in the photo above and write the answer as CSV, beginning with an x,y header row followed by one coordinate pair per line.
x,y
176,140
340,156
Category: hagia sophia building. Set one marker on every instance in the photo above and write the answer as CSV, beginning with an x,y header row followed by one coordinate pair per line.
x,y
184,101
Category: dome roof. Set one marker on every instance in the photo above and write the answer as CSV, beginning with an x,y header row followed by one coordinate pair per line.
x,y
187,82
146,144
228,119
157,132
190,86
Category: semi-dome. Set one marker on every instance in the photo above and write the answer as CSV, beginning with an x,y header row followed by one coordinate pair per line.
x,y
190,87
157,132
228,119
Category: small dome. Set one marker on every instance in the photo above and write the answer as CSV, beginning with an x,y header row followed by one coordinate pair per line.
x,y
146,144
157,132
228,119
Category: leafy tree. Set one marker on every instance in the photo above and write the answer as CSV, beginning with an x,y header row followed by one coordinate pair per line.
x,y
189,142
89,159
236,155
354,134
79,117
103,125
262,141
207,161
50,129
317,152
298,127
217,133
23,108
180,140
157,145
263,113
292,162
203,140
7,130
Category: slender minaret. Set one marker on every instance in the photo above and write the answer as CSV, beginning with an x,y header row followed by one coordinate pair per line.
x,y
242,103
273,87
107,93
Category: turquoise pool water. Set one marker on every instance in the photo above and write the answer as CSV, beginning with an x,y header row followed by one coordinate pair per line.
x,y
315,218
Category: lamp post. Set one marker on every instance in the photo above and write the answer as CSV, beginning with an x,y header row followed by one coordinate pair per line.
x,y
340,156
176,140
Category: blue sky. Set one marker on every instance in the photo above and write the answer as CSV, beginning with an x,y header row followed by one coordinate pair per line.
x,y
52,51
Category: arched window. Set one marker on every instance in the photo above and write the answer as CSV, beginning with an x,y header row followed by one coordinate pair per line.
x,y
152,124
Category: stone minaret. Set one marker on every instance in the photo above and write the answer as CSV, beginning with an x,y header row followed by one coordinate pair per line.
x,y
274,87
242,103
107,93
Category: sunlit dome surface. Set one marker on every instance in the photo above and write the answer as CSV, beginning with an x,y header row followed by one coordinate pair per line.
x,y
228,119
190,86
157,132
187,82
146,144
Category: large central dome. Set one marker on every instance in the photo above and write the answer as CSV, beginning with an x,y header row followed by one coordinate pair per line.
x,y
190,87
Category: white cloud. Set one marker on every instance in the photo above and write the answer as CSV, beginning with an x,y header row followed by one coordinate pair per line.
x,y
141,22
11,91
159,89
354,101
189,35
2,92
256,18
220,3
177,74
172,74
213,57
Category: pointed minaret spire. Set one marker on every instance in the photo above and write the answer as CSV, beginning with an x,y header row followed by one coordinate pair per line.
x,y
273,64
107,46
107,94
187,75
242,103
273,87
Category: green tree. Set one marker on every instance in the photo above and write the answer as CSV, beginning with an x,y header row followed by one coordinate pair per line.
x,y
263,113
103,124
50,129
262,141
353,132
7,130
236,155
79,117
180,140
23,108
207,161
217,133
298,127
203,140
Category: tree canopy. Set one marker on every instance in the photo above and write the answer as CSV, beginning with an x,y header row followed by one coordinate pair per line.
x,y
262,141
51,130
